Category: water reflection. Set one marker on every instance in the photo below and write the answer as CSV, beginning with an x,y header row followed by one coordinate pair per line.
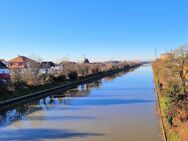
x,y
9,115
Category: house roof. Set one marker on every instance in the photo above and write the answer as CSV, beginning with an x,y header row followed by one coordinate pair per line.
x,y
47,64
86,61
2,65
21,59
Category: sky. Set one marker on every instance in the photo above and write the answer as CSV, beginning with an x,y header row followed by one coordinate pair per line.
x,y
97,29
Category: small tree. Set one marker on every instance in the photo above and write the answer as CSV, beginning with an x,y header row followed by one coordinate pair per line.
x,y
178,63
33,75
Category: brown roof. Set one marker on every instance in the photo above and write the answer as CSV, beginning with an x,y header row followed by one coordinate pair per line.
x,y
21,59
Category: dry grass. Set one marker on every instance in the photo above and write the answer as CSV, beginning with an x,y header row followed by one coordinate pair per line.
x,y
183,130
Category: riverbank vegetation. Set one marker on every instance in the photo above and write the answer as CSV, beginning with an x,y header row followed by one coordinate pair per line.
x,y
34,81
171,75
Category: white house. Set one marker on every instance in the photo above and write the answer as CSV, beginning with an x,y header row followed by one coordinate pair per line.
x,y
47,67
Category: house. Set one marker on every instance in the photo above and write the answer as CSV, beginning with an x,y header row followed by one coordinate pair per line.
x,y
22,64
47,67
4,71
166,56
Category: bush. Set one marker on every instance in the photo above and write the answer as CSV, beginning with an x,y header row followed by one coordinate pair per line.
x,y
61,77
73,75
3,87
95,69
20,85
49,78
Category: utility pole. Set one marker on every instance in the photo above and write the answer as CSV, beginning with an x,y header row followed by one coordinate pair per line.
x,y
155,53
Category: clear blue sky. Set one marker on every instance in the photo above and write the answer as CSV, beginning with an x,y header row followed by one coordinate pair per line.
x,y
100,29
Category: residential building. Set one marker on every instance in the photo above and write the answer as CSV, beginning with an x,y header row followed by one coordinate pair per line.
x,y
22,64
47,67
166,56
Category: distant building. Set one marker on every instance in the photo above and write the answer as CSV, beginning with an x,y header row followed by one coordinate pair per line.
x,y
47,67
113,63
4,71
166,56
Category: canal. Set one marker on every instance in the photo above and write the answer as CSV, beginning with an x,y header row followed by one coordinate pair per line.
x,y
117,108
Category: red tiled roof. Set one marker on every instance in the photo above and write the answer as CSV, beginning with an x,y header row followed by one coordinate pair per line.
x,y
20,59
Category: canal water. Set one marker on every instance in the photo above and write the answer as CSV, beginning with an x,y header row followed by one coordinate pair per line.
x,y
117,108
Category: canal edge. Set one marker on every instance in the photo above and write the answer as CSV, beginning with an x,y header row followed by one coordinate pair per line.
x,y
160,113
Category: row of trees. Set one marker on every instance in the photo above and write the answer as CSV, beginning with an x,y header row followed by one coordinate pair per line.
x,y
67,70
171,78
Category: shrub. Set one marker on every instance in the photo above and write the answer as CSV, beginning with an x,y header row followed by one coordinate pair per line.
x,y
20,85
61,77
49,78
95,69
3,87
73,75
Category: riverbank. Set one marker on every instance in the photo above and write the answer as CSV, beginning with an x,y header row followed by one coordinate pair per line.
x,y
160,112
168,134
172,100
40,90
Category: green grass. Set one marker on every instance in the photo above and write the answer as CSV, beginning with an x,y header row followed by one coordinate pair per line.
x,y
173,136
164,102
165,106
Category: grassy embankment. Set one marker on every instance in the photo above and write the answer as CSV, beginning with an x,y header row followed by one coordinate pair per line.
x,y
172,98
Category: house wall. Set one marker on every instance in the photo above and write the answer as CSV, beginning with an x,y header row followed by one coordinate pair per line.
x,y
17,65
47,70
43,71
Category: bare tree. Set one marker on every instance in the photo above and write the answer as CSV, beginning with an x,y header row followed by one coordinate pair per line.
x,y
179,62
